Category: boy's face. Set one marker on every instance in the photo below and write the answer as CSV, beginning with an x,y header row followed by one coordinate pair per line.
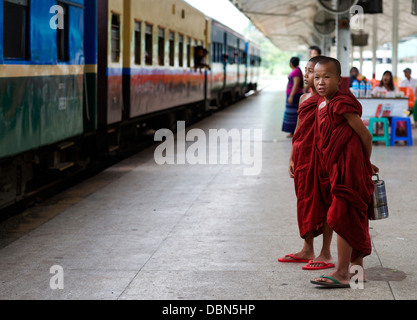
x,y
326,80
309,75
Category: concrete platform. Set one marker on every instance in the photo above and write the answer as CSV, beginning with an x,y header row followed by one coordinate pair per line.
x,y
140,231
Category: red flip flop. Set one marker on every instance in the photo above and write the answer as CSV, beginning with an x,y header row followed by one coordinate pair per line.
x,y
324,265
295,259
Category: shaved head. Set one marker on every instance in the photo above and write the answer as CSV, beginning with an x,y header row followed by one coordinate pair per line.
x,y
317,59
336,64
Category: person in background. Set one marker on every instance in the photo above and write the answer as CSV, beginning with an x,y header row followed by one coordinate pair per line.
x,y
314,51
408,81
386,88
354,73
294,93
200,58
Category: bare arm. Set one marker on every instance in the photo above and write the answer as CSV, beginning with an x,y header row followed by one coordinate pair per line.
x,y
297,82
355,121
291,169
291,166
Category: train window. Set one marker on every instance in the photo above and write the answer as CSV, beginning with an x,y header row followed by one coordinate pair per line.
x,y
138,43
230,54
171,48
242,57
181,50
15,29
115,38
221,54
216,53
189,52
63,36
148,45
161,46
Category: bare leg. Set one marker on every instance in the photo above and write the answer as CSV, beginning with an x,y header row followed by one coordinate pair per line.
x,y
307,253
325,254
344,253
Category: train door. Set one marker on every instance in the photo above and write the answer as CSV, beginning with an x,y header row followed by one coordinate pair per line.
x,y
207,74
245,61
225,59
110,62
237,61
90,85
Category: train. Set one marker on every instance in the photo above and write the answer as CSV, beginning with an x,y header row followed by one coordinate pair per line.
x,y
84,79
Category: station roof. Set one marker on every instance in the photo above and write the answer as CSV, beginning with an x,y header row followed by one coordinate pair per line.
x,y
289,24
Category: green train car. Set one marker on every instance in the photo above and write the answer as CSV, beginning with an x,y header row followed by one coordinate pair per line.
x,y
84,80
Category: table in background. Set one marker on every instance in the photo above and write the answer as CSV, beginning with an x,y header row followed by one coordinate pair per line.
x,y
393,107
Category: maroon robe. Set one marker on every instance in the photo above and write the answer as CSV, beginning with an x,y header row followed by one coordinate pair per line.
x,y
350,174
311,210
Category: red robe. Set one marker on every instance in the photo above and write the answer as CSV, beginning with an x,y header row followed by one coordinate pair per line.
x,y
350,174
311,210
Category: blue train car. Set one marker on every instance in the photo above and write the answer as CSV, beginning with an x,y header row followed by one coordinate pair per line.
x,y
83,79
229,64
253,65
41,85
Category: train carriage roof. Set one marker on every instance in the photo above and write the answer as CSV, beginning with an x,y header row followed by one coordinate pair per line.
x,y
289,24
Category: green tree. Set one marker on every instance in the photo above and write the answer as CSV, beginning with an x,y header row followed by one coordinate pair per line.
x,y
274,61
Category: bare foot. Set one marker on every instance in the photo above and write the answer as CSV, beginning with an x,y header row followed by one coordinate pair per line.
x,y
297,257
333,278
327,259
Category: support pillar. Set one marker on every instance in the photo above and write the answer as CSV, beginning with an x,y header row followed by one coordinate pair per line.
x,y
374,44
395,33
343,39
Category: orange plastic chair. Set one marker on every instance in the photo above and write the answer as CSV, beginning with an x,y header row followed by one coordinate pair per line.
x,y
408,92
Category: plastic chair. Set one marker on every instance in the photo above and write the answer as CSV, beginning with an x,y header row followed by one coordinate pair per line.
x,y
386,136
375,83
408,92
408,138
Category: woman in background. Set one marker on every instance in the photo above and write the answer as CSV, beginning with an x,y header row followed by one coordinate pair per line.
x,y
386,88
294,93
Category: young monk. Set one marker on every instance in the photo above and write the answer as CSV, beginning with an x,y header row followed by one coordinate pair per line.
x,y
346,148
305,169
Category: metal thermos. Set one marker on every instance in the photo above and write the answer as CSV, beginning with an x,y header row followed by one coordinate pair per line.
x,y
380,201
